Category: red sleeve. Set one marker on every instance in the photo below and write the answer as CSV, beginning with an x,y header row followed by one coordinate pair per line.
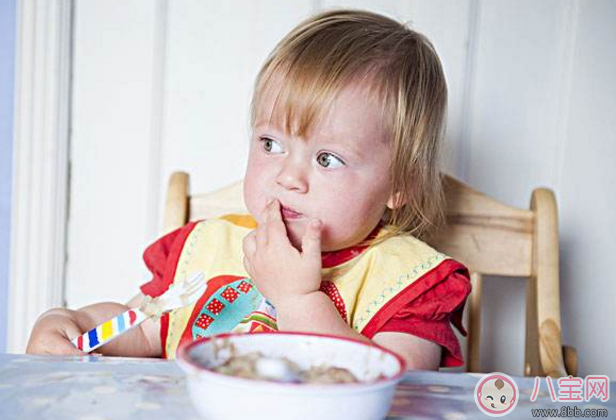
x,y
430,308
161,259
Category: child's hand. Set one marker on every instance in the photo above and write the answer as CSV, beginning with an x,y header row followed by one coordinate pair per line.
x,y
278,269
54,329
51,333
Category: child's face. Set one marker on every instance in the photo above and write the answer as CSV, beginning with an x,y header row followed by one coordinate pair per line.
x,y
338,173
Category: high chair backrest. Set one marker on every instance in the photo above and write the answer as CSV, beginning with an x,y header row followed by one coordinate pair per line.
x,y
489,237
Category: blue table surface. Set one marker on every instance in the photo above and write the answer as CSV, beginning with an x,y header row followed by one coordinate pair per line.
x,y
98,388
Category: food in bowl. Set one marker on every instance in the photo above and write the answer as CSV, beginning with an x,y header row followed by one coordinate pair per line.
x,y
255,365
216,394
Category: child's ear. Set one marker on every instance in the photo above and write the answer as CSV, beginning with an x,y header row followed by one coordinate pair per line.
x,y
395,201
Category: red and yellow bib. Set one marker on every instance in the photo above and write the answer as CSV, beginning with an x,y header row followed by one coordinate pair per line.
x,y
362,287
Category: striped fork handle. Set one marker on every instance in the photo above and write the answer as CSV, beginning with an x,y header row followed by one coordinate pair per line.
x,y
109,330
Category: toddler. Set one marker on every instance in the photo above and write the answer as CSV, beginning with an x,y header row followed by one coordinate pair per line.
x,y
341,181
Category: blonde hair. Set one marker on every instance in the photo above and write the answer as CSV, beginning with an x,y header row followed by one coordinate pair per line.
x,y
325,53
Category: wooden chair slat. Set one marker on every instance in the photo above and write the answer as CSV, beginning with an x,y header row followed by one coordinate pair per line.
x,y
474,324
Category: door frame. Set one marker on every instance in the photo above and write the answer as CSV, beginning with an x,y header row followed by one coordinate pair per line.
x,y
40,187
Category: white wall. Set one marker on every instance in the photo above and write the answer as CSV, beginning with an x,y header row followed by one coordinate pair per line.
x,y
543,107
585,183
532,104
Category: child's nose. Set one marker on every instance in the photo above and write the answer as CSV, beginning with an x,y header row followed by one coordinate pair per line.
x,y
292,177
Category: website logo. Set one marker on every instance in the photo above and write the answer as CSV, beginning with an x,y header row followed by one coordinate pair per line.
x,y
496,394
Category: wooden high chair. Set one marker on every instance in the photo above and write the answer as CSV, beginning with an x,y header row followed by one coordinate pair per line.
x,y
489,237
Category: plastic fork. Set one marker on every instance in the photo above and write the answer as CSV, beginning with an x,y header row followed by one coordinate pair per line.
x,y
177,296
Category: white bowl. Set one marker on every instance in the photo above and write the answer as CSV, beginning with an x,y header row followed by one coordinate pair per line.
x,y
221,397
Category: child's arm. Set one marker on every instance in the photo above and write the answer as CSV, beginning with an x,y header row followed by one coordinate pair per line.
x,y
316,313
417,352
53,331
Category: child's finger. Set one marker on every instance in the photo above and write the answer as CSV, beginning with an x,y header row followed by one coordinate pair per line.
x,y
260,235
311,242
276,229
63,346
247,266
74,351
249,244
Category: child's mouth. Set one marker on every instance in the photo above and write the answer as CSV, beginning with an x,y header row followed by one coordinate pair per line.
x,y
289,214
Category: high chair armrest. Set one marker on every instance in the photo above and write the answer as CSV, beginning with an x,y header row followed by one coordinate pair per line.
x,y
544,353
571,360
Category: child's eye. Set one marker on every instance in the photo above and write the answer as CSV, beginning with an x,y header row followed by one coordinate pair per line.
x,y
327,160
503,399
270,146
